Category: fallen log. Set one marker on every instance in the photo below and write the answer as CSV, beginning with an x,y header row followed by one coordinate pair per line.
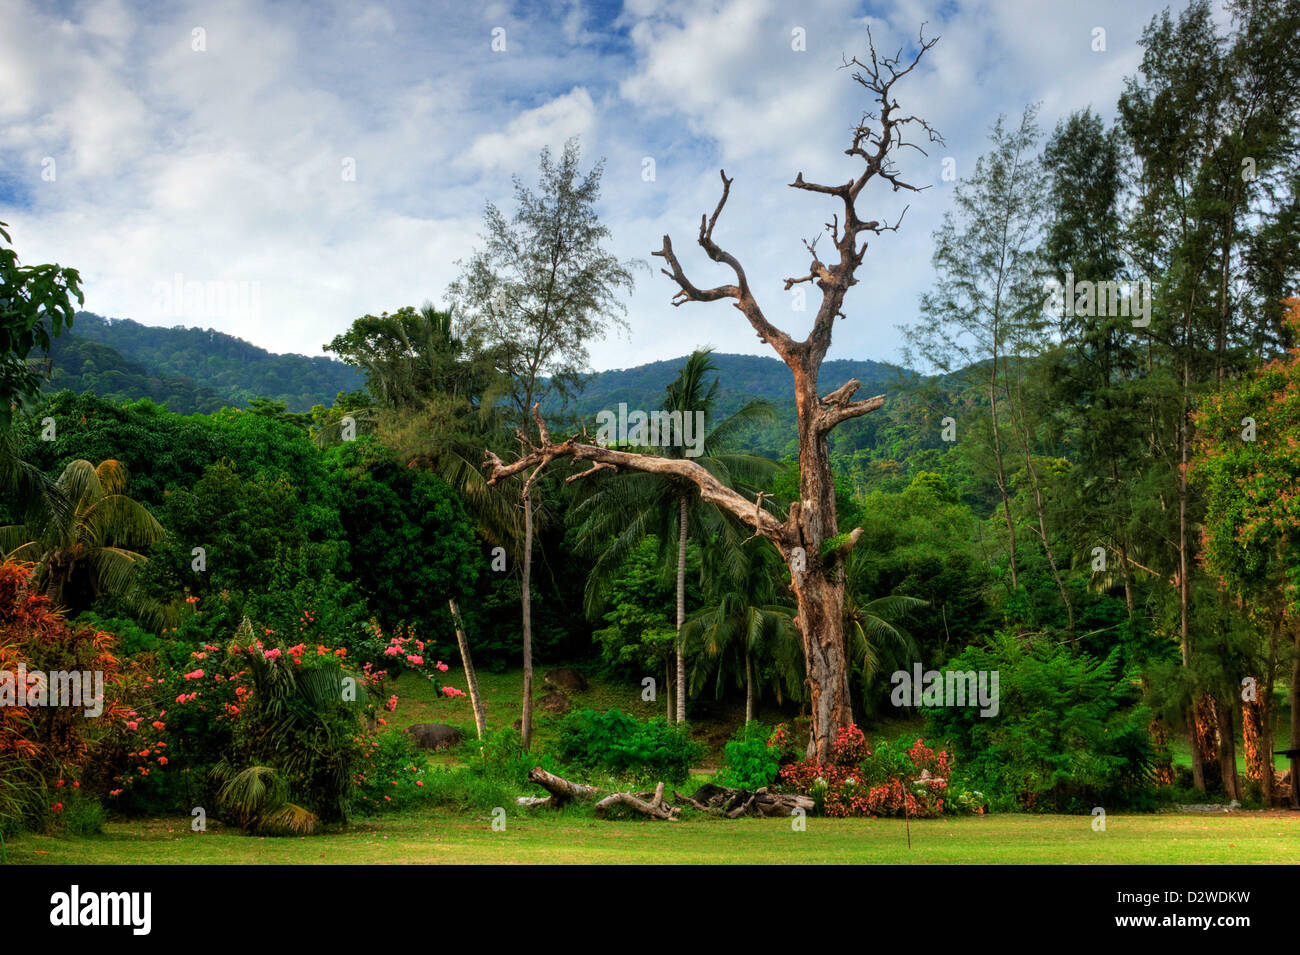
x,y
734,803
716,800
655,807
560,789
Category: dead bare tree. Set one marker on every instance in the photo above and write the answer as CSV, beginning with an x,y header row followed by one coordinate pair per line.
x,y
809,538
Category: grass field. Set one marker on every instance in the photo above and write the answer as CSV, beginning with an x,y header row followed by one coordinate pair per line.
x,y
574,836
1272,838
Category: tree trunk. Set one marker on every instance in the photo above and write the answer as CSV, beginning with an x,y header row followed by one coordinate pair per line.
x,y
749,687
1227,750
1023,428
1128,578
1203,723
471,678
1267,717
525,599
819,591
1002,474
1295,721
668,688
681,610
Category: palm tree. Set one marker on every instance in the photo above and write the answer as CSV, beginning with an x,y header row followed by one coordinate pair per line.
x,y
746,629
873,630
84,551
27,491
623,512
290,709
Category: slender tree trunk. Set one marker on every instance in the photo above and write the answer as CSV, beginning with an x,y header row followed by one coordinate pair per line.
x,y
525,598
1227,749
471,678
1023,428
1121,542
681,609
749,688
1267,717
1295,721
1002,473
1128,578
1204,722
668,688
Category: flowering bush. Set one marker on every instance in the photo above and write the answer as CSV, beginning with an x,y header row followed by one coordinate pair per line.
x,y
891,781
391,773
257,702
40,744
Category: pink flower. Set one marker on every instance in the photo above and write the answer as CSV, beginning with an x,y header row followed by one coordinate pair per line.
x,y
392,651
194,675
442,667
414,660
272,654
132,724
452,691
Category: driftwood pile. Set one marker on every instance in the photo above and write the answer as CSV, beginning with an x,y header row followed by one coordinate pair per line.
x,y
734,803
716,800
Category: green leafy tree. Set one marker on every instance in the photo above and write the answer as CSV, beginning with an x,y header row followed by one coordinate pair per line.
x,y
35,301
1248,462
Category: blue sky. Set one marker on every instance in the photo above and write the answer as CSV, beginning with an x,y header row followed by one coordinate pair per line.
x,y
128,153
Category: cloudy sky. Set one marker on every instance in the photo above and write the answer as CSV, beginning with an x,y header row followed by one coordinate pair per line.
x,y
335,158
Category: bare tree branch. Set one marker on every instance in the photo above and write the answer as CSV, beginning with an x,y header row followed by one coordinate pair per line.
x,y
710,488
688,292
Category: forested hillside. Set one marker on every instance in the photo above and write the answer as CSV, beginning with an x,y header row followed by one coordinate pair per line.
x,y
221,364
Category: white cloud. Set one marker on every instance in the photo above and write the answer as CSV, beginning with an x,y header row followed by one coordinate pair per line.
x,y
516,146
226,165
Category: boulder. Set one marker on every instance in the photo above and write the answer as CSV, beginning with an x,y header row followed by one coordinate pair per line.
x,y
567,679
434,735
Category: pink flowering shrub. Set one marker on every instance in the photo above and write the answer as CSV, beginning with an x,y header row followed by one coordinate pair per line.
x,y
891,780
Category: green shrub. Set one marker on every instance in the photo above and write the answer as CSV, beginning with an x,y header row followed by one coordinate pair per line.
x,y
1067,736
621,744
750,761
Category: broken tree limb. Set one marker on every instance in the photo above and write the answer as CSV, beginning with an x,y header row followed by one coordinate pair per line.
x,y
560,789
655,807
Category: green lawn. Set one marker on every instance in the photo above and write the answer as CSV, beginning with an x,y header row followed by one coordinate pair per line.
x,y
542,838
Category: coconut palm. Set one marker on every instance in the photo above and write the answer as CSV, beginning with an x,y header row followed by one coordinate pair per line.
x,y
623,511
27,492
87,549
873,630
746,632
